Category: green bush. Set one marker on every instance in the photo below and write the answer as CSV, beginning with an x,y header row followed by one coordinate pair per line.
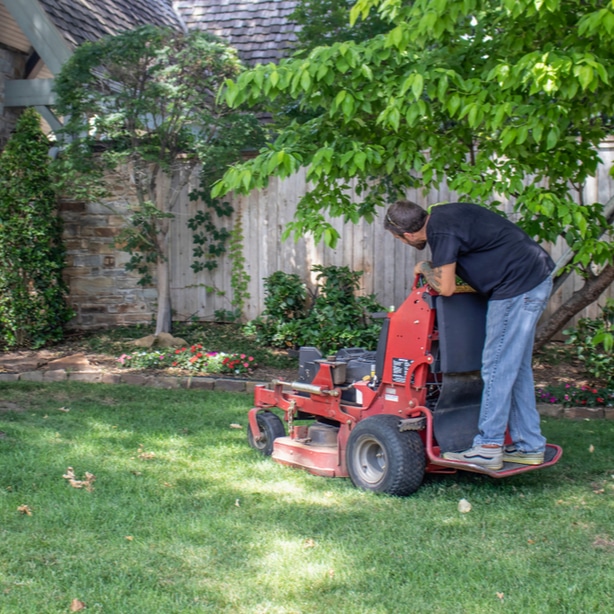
x,y
336,318
593,342
33,305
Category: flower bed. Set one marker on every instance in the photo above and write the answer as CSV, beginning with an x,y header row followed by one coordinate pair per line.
x,y
195,359
569,395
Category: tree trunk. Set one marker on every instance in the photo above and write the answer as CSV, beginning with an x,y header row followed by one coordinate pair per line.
x,y
164,315
162,192
590,292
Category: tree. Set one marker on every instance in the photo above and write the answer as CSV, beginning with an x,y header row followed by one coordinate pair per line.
x,y
33,308
323,22
147,98
502,99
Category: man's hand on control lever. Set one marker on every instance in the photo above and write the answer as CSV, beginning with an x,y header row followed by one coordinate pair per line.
x,y
441,278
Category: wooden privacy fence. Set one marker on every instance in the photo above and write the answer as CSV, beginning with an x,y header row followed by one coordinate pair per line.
x,y
387,264
103,294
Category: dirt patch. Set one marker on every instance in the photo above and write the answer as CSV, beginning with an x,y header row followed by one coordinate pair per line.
x,y
7,406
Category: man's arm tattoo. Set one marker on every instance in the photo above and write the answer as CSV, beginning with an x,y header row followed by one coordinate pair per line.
x,y
432,275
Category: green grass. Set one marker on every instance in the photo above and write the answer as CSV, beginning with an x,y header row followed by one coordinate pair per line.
x,y
214,527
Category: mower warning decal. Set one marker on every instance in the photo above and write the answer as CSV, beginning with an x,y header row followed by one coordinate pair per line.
x,y
400,366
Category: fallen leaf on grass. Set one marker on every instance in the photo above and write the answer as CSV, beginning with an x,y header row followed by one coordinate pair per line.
x,y
90,478
25,509
238,502
147,455
309,543
530,541
77,605
236,426
501,596
64,409
591,448
464,506
129,537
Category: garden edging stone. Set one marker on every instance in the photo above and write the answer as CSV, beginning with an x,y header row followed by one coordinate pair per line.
x,y
237,385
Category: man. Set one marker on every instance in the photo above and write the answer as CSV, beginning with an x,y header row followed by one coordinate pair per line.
x,y
502,262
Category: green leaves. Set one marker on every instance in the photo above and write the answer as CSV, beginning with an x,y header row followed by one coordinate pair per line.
x,y
152,95
500,100
33,306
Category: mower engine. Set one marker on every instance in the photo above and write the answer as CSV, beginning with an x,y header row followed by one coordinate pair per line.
x,y
385,418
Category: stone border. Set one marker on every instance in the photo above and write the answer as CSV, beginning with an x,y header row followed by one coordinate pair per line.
x,y
238,385
134,379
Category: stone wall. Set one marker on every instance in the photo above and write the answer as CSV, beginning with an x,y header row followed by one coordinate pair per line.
x,y
12,66
101,291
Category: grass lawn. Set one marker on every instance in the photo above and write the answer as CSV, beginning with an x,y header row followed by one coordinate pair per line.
x,y
185,517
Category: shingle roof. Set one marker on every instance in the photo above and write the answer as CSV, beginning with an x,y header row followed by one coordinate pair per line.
x,y
258,29
89,20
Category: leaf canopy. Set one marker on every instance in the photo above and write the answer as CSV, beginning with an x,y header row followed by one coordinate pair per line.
x,y
502,99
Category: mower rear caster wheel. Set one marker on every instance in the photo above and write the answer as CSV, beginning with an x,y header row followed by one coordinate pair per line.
x,y
271,427
383,459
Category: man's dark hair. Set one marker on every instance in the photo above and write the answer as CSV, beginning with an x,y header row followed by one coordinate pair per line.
x,y
405,216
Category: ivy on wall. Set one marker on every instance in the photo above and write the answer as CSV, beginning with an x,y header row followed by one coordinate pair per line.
x,y
33,307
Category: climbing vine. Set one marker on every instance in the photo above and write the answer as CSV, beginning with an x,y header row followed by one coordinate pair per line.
x,y
33,307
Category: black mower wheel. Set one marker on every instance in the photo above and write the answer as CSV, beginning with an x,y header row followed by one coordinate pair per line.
x,y
382,459
271,427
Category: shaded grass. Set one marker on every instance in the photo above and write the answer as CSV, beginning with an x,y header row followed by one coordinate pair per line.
x,y
185,517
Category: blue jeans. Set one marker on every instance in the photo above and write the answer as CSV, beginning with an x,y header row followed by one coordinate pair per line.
x,y
508,398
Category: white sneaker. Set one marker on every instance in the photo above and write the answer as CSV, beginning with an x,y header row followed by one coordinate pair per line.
x,y
491,458
512,454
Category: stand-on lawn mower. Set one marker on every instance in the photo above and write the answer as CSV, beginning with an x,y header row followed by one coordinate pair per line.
x,y
384,418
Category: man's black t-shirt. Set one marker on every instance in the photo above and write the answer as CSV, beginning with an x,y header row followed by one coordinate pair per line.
x,y
492,254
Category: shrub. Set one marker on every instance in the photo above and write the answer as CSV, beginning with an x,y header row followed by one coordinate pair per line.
x,y
33,308
593,342
337,317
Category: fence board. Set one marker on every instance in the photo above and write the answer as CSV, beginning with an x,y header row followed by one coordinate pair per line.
x,y
387,264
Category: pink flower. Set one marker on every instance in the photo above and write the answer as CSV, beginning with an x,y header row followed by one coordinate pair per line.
x,y
251,358
246,364
242,356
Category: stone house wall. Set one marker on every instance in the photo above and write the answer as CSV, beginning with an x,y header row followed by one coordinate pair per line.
x,y
101,291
